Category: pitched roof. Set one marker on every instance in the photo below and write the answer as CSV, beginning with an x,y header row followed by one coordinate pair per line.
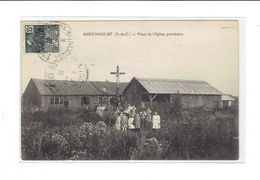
x,y
226,97
63,87
171,86
109,87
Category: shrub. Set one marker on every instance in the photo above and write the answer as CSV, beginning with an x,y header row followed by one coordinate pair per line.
x,y
147,149
28,144
118,145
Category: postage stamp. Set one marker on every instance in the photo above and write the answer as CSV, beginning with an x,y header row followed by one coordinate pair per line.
x,y
51,41
42,38
65,45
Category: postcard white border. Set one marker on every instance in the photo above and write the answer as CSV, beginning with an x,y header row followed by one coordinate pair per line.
x,y
12,168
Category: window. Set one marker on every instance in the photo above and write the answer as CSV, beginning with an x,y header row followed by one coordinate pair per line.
x,y
84,100
52,101
61,100
100,100
104,100
56,100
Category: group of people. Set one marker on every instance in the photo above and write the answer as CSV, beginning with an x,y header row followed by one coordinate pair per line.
x,y
130,118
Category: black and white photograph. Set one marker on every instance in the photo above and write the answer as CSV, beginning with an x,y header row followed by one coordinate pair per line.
x,y
130,90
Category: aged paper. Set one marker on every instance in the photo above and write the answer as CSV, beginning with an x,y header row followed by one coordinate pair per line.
x,y
130,89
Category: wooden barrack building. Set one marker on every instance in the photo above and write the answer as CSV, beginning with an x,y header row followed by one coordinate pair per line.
x,y
43,95
192,93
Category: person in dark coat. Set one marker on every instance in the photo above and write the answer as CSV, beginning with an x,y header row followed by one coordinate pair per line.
x,y
137,122
143,119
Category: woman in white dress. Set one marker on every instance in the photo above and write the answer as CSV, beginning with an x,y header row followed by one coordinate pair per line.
x,y
118,122
156,121
131,123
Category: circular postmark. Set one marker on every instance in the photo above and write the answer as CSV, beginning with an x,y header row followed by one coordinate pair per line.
x,y
66,44
67,70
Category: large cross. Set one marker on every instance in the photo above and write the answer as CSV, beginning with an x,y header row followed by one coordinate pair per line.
x,y
117,73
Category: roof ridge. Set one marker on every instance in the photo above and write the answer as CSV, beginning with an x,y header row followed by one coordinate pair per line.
x,y
172,86
72,81
185,80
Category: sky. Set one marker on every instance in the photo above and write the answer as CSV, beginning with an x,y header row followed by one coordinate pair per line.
x,y
192,50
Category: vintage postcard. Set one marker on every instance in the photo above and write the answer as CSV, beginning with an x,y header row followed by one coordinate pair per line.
x,y
130,89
